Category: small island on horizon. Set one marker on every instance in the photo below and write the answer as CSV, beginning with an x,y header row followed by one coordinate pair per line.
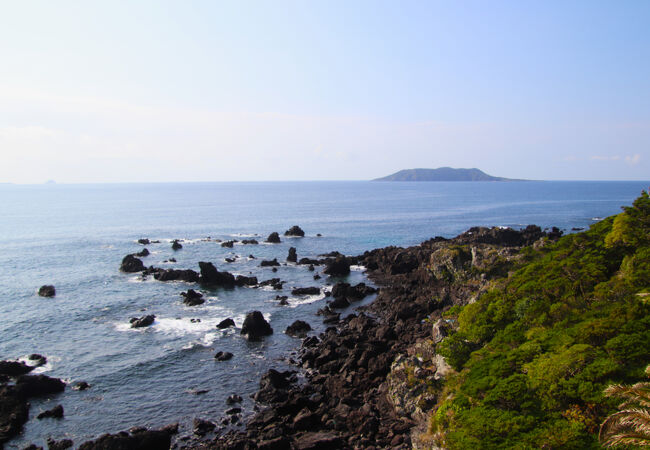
x,y
442,174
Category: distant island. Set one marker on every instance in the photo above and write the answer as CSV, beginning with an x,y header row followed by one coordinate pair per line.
x,y
442,174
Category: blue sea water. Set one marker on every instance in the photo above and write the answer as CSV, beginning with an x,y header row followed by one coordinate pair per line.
x,y
74,236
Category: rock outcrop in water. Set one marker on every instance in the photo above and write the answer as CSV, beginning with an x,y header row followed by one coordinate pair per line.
x,y
274,238
47,291
352,398
211,276
338,267
143,321
255,326
138,439
295,231
226,323
192,298
131,264
292,256
299,328
176,245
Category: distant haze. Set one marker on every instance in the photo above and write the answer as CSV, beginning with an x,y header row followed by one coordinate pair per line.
x,y
325,90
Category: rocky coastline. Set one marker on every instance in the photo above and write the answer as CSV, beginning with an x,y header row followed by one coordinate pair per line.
x,y
352,385
357,390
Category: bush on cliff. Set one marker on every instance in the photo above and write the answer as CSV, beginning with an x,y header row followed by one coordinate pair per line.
x,y
534,354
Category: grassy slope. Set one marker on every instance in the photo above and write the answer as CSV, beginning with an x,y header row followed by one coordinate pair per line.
x,y
534,354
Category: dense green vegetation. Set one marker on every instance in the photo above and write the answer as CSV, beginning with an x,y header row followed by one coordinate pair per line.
x,y
534,354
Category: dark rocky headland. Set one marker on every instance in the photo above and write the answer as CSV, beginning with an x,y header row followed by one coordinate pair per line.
x,y
355,394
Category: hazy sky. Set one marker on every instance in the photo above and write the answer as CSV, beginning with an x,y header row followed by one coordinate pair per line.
x,y
274,90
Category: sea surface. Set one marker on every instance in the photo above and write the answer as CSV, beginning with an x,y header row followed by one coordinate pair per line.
x,y
74,236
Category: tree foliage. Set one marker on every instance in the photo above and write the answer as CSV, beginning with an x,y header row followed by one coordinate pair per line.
x,y
534,354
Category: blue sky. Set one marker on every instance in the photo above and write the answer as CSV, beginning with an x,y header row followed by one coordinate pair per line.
x,y
273,90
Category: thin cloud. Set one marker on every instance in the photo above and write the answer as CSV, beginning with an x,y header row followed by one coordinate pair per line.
x,y
633,160
605,158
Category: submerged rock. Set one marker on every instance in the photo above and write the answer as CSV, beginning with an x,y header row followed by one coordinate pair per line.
x,y
47,291
273,238
143,321
294,231
81,386
234,398
223,356
255,326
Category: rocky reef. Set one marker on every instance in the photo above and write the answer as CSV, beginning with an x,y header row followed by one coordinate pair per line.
x,y
371,376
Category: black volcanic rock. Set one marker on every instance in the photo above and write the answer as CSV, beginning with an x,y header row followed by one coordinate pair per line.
x,y
211,276
352,293
14,368
59,445
36,385
299,328
312,290
14,412
176,245
188,275
37,360
276,283
273,238
192,298
143,321
203,427
273,263
47,291
338,267
223,356
131,264
242,280
54,413
144,252
228,244
292,256
249,242
226,323
255,326
295,231
81,386
144,241
142,439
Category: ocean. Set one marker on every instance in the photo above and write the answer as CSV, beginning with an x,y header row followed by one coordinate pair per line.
x,y
75,236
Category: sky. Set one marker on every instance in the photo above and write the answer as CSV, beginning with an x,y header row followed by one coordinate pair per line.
x,y
165,91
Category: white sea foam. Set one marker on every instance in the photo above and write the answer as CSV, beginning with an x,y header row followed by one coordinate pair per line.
x,y
356,268
139,279
296,301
